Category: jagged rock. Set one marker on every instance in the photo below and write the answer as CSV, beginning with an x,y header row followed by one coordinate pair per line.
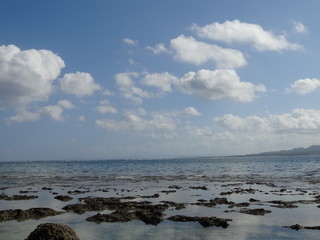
x,y
64,198
16,197
51,231
199,188
149,214
32,213
204,221
257,211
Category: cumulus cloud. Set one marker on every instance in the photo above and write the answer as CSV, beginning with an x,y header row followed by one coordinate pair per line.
x,y
106,109
79,83
129,90
298,27
301,121
27,76
158,49
241,32
108,93
130,121
130,42
304,86
67,104
188,49
160,80
54,112
24,116
152,124
218,84
192,111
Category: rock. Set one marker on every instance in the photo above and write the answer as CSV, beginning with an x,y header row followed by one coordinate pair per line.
x,y
257,211
64,198
199,188
283,204
16,197
77,192
149,214
52,231
32,213
239,191
204,221
298,227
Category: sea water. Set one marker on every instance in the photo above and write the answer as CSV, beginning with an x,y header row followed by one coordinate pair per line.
x,y
146,177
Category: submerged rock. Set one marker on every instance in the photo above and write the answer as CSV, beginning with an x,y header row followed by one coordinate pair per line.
x,y
32,213
256,211
52,231
16,197
149,214
298,227
204,221
63,198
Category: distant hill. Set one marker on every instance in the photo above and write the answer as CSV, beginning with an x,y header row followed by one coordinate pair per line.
x,y
312,150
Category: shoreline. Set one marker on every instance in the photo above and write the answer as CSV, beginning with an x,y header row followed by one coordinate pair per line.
x,y
209,204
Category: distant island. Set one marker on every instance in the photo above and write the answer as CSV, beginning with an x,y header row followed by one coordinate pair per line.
x,y
312,150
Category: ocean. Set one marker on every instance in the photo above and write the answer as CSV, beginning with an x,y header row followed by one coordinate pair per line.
x,y
293,179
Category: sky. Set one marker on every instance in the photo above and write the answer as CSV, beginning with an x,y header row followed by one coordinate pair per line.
x,y
82,80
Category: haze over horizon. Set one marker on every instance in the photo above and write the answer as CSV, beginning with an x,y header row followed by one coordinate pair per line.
x,y
157,79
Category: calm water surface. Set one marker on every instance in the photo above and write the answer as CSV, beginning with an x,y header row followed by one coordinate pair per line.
x,y
147,177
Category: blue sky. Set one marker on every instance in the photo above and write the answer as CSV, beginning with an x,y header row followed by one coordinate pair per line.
x,y
157,79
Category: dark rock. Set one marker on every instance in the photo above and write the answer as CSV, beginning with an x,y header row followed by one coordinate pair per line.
x,y
178,206
16,197
204,221
175,187
283,204
51,231
63,198
257,211
32,213
47,188
253,200
199,188
77,192
156,195
149,214
168,191
244,204
298,227
239,191
214,202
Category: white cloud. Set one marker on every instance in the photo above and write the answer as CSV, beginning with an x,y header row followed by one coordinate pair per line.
x,y
158,49
130,42
304,86
128,89
192,111
106,109
27,76
130,121
108,93
301,121
151,124
24,116
160,80
218,84
79,83
241,32
54,112
187,49
298,27
67,104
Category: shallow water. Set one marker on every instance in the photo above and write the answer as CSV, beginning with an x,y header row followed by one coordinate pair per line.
x,y
267,175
